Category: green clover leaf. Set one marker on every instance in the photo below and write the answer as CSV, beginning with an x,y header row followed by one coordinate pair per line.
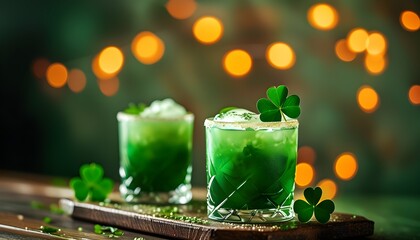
x,y
135,109
111,232
278,104
91,183
305,210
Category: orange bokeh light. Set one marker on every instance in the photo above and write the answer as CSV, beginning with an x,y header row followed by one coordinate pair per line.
x,y
77,80
376,44
329,189
414,94
109,87
208,30
410,21
343,52
111,60
375,64
98,71
322,16
304,174
280,55
368,99
356,40
346,166
306,154
147,47
39,67
237,63
57,75
181,9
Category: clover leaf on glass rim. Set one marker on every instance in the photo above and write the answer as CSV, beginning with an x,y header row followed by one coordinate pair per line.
x,y
91,183
278,105
306,209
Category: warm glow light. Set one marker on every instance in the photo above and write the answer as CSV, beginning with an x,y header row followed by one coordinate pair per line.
x,y
368,99
322,16
57,75
111,60
208,30
329,189
356,40
343,52
306,154
414,94
147,48
237,62
345,166
109,87
304,174
39,67
98,71
280,55
181,9
376,44
410,21
77,80
375,64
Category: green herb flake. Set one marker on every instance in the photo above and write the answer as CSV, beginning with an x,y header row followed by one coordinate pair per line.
x,y
47,220
111,232
135,109
277,105
91,183
46,229
306,209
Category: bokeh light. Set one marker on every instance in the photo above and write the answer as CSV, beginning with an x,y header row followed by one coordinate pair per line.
x,y
109,87
111,60
76,80
39,67
356,40
322,16
304,174
368,99
329,189
208,29
181,9
306,154
375,64
98,71
345,166
343,52
280,55
57,75
147,47
237,62
414,94
410,21
376,44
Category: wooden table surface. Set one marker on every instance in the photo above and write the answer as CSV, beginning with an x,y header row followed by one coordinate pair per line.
x,y
26,199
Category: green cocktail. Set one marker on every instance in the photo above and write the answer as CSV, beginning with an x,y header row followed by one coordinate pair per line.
x,y
155,157
250,168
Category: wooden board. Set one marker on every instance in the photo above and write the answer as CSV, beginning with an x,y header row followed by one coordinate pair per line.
x,y
195,225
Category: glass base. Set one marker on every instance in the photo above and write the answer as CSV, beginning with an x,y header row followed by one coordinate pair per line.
x,y
252,215
180,195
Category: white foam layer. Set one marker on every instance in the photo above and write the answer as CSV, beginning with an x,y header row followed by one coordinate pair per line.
x,y
166,108
237,115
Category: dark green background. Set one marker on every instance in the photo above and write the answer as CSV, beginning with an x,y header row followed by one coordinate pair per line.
x,y
54,131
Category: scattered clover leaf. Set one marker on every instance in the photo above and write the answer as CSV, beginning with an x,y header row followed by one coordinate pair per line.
x,y
135,109
278,104
46,229
91,183
305,210
111,232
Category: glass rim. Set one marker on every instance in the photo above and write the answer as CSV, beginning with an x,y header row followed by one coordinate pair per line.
x,y
289,124
122,116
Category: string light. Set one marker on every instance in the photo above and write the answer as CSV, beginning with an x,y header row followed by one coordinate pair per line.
x,y
306,154
208,30
57,75
39,67
76,80
414,94
181,9
368,99
111,60
343,52
237,63
280,55
376,44
345,166
329,189
375,64
410,21
147,47
322,16
304,174
109,87
356,40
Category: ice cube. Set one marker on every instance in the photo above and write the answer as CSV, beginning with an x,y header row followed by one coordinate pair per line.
x,y
237,115
166,108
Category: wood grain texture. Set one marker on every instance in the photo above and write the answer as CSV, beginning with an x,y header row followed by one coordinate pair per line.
x,y
139,218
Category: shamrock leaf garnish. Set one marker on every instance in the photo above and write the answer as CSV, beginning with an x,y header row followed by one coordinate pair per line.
x,y
91,183
278,105
135,109
305,210
111,232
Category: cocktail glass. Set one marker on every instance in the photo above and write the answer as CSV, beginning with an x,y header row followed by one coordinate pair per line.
x,y
155,158
250,168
